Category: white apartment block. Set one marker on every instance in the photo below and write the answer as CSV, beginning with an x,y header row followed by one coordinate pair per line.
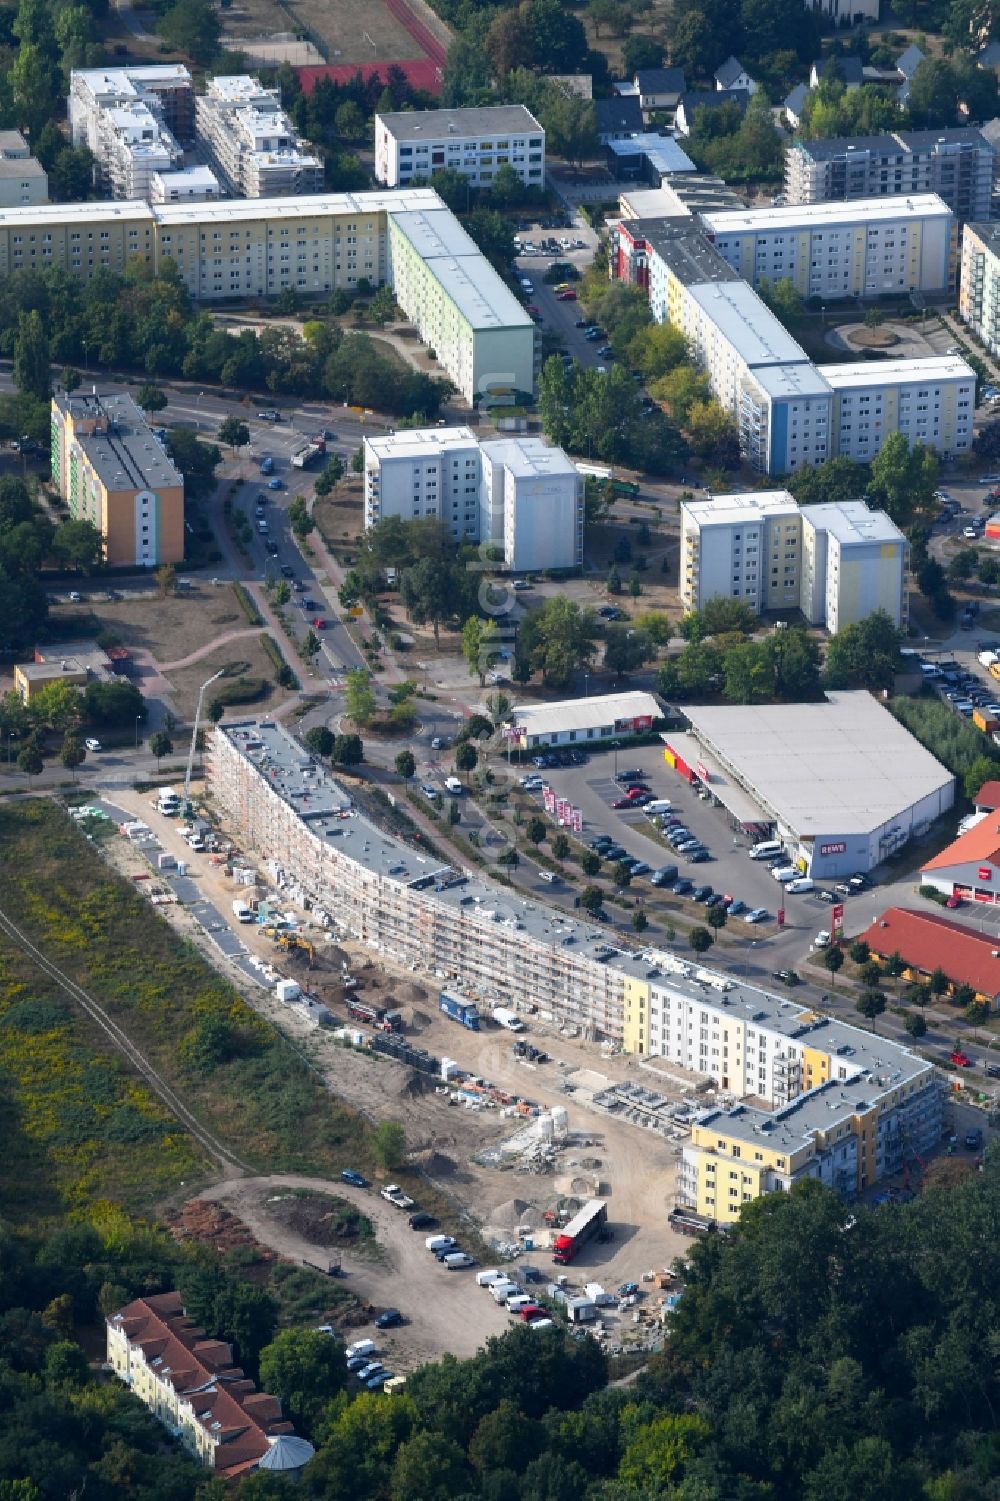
x,y
22,179
744,546
251,142
861,248
837,562
854,561
255,247
195,185
931,401
461,308
411,145
519,494
128,118
979,283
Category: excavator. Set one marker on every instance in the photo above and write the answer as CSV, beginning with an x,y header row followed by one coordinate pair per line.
x,y
293,941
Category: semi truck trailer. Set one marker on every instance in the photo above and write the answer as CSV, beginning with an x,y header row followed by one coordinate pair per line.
x,y
590,1221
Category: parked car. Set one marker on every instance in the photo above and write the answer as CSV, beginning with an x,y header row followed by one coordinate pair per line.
x,y
635,775
389,1319
758,914
422,1221
354,1178
682,886
431,792
737,908
91,744
702,894
960,1060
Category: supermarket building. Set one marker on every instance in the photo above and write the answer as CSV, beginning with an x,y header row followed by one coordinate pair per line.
x,y
820,1098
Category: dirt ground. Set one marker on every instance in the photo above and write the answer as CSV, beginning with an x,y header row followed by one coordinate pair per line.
x,y
352,33
246,656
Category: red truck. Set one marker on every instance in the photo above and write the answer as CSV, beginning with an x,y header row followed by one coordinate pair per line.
x,y
375,1016
582,1227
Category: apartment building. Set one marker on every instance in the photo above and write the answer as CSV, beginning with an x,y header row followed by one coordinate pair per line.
x,y
22,178
112,472
956,164
252,247
930,401
858,249
745,547
460,306
189,1383
854,561
411,145
128,118
519,494
835,562
251,142
194,185
861,1101
979,283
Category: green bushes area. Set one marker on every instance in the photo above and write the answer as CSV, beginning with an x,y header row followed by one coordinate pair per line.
x,y
242,690
246,604
232,1068
283,674
969,754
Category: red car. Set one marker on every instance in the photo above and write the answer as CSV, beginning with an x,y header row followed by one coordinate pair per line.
x,y
960,1060
953,902
638,789
320,623
567,296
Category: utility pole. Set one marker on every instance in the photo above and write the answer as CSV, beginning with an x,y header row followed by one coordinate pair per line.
x,y
194,728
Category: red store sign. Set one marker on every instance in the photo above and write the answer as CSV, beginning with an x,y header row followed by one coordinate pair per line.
x,y
984,873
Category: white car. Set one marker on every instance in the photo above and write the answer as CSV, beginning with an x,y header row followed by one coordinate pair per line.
x,y
91,744
822,939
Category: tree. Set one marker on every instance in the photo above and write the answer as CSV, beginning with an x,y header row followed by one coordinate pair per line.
x,y
151,398
72,753
300,518
833,959
903,478
466,757
234,433
536,830
859,952
915,1025
166,579
481,645
434,590
713,434
359,697
329,476
197,461
77,544
305,1370
406,766
559,639
115,702
32,370
871,1004
320,740
160,745
348,750
700,939
590,862
717,917
192,26
350,124
681,389
389,1145
938,981
591,899
983,769
560,847
622,873
641,52
30,761
837,479
640,922
429,1467
864,655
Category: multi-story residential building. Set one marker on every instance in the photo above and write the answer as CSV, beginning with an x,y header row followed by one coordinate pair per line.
x,y
835,562
411,145
979,283
789,411
252,247
745,547
189,1383
858,249
195,185
128,118
857,1103
22,178
930,400
518,494
461,308
113,473
957,164
853,562
251,142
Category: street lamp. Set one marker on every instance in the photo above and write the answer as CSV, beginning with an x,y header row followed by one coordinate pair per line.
x,y
138,721
194,728
586,685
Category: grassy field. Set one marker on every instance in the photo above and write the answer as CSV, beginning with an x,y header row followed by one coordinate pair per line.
x,y
90,1130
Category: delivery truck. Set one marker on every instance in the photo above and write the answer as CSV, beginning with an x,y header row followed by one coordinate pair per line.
x,y
242,912
460,1010
509,1020
590,1221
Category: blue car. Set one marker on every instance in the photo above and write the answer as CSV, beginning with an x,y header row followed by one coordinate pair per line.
x,y
275,484
355,1179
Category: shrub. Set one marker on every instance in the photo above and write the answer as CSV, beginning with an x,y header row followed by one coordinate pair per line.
x,y
284,675
246,604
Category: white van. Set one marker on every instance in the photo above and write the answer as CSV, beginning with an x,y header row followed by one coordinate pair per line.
x,y
547,875
768,850
518,1301
487,1278
360,1347
800,884
440,1242
454,786
658,805
457,1260
785,874
501,1291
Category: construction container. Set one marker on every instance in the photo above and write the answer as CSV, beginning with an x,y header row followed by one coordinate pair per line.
x,y
164,861
288,990
985,721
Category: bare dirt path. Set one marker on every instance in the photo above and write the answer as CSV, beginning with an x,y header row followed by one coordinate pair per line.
x,y
209,646
444,1310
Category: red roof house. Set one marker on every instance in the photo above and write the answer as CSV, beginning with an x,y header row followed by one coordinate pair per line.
x,y
927,942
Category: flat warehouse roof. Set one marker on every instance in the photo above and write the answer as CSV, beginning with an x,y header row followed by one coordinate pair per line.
x,y
827,215
724,785
585,713
844,766
896,372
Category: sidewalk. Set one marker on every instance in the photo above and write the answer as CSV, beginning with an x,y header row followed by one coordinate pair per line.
x,y
961,332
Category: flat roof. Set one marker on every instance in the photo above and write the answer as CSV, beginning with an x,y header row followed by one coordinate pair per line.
x,y
740,506
799,378
299,206
896,372
126,456
585,713
827,215
836,146
843,766
438,124
663,151
461,269
734,798
529,458
684,249
420,442
851,521
748,324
